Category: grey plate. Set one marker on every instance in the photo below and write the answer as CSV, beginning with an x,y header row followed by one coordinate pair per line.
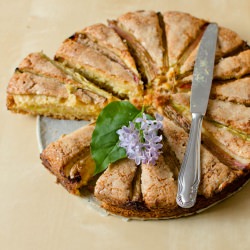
x,y
49,130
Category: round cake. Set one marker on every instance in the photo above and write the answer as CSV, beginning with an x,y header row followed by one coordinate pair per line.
x,y
146,58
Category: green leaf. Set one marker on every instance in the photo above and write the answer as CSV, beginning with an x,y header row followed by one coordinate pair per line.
x,y
104,144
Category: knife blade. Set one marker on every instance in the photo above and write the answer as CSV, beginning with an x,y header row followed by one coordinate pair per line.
x,y
189,176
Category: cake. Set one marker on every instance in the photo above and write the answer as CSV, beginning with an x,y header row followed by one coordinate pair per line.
x,y
146,58
40,86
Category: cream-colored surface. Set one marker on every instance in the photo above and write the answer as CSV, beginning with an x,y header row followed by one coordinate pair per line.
x,y
35,213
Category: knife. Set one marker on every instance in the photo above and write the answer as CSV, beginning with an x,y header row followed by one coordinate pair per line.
x,y
189,176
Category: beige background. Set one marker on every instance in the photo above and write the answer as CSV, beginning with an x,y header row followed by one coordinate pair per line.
x,y
35,213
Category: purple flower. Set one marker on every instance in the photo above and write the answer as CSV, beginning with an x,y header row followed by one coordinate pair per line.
x,y
142,144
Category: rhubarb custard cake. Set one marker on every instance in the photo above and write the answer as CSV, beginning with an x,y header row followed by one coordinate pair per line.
x,y
130,77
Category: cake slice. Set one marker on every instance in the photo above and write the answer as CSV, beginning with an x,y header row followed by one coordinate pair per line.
x,y
159,181
227,91
231,115
115,185
83,58
235,116
159,188
229,145
233,67
69,159
234,144
40,86
214,174
135,189
111,44
181,31
143,33
228,42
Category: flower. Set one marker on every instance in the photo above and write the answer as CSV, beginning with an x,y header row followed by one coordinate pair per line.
x,y
142,143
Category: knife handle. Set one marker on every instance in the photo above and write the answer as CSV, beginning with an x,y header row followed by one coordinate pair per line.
x,y
189,176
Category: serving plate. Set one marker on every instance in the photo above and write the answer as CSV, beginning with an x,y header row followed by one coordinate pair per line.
x,y
49,130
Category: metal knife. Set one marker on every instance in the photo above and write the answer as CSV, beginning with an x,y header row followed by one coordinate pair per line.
x,y
189,176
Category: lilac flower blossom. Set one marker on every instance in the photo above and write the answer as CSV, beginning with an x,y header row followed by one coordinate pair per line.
x,y
141,139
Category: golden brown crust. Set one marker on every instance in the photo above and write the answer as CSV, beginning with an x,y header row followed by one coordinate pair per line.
x,y
139,211
105,35
236,116
107,38
234,143
237,91
145,27
223,153
115,184
214,174
108,74
73,148
40,86
229,146
78,53
159,188
233,67
228,42
31,84
230,114
38,63
87,96
181,30
146,65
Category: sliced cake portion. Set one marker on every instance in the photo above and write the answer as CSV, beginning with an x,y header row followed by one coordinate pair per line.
x,y
111,44
228,42
69,159
233,67
159,188
79,54
115,185
158,182
40,86
229,145
234,144
181,29
214,174
145,189
232,115
143,33
235,116
237,91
